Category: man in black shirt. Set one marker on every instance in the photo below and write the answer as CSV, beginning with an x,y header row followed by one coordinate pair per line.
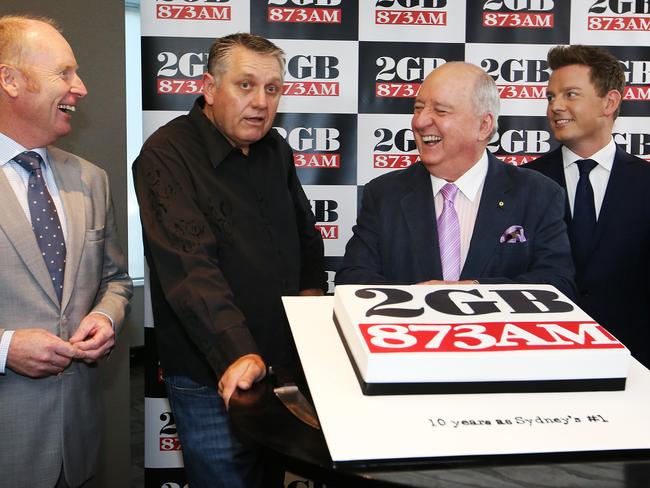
x,y
227,231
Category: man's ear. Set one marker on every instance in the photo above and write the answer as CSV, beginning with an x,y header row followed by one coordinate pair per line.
x,y
209,85
9,80
487,124
612,101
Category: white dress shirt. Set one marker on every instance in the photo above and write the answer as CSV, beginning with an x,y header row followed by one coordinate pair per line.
x,y
598,177
468,198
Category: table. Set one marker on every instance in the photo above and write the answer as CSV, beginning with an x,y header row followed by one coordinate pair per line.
x,y
258,417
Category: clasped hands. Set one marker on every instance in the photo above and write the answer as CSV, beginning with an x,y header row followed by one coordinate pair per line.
x,y
39,353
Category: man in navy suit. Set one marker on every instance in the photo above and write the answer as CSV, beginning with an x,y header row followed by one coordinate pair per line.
x,y
510,221
612,258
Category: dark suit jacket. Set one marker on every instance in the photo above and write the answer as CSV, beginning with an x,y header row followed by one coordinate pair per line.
x,y
615,287
395,239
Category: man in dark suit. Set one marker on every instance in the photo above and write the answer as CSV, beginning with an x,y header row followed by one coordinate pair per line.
x,y
608,193
459,215
63,283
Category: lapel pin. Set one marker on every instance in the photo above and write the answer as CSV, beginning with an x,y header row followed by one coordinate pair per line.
x,y
501,204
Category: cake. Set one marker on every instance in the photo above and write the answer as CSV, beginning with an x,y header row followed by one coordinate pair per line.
x,y
421,339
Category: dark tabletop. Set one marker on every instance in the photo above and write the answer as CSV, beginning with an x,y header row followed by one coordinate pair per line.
x,y
260,418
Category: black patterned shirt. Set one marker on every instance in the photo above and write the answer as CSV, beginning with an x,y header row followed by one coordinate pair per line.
x,y
225,236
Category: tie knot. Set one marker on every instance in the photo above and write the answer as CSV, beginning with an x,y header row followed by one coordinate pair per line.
x,y
449,192
30,160
586,165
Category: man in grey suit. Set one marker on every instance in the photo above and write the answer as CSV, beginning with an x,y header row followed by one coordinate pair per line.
x,y
63,284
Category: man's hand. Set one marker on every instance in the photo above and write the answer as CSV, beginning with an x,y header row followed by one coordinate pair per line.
x,y
311,292
94,337
38,353
441,282
243,373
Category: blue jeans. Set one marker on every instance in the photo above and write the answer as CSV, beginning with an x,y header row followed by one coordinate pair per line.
x,y
213,457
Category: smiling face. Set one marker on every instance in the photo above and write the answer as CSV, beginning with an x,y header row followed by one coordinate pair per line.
x,y
449,134
46,87
243,102
579,118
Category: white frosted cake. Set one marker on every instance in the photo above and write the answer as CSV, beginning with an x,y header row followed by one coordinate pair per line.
x,y
473,339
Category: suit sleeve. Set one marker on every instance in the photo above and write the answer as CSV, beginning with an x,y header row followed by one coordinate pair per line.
x,y
550,256
362,263
182,252
312,271
116,287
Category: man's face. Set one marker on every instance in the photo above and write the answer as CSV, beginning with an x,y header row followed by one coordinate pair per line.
x,y
50,86
578,117
243,103
449,135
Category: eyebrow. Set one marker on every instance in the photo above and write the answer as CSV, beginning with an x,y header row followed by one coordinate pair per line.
x,y
567,88
438,105
250,74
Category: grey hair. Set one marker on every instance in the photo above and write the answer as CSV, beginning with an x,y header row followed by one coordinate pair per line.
x,y
486,99
221,50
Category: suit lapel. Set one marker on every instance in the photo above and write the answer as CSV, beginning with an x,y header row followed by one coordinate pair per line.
x,y
492,219
19,231
554,169
68,180
613,206
419,214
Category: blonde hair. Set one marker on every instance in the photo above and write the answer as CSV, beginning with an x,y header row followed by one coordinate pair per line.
x,y
12,43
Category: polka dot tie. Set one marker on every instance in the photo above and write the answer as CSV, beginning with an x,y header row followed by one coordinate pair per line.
x,y
45,220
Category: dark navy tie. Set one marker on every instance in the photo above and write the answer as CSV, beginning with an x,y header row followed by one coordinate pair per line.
x,y
45,219
583,224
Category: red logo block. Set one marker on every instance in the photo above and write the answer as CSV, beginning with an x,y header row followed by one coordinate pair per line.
x,y
486,337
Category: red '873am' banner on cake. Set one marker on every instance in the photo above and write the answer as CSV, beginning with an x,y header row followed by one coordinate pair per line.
x,y
486,337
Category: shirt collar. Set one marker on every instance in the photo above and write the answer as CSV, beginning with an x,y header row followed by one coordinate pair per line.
x,y
470,182
9,149
604,157
218,147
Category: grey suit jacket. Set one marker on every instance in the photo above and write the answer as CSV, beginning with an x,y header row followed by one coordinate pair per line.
x,y
49,421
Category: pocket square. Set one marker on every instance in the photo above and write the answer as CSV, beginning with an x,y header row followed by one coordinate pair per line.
x,y
513,234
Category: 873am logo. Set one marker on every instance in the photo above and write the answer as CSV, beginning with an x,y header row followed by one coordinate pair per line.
x,y
487,336
305,11
311,75
402,78
193,10
326,216
411,12
169,440
619,15
394,150
519,14
180,75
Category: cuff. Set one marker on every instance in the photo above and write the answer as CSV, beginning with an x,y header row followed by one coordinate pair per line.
x,y
107,316
5,340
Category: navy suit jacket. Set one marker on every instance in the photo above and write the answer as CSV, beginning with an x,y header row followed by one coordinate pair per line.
x,y
395,240
615,287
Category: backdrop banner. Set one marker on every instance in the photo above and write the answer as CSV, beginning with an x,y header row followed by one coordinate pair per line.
x,y
353,70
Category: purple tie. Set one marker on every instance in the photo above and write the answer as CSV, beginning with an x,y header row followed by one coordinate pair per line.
x,y
449,235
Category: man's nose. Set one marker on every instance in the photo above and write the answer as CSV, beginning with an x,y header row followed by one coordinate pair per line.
x,y
260,98
78,87
421,120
